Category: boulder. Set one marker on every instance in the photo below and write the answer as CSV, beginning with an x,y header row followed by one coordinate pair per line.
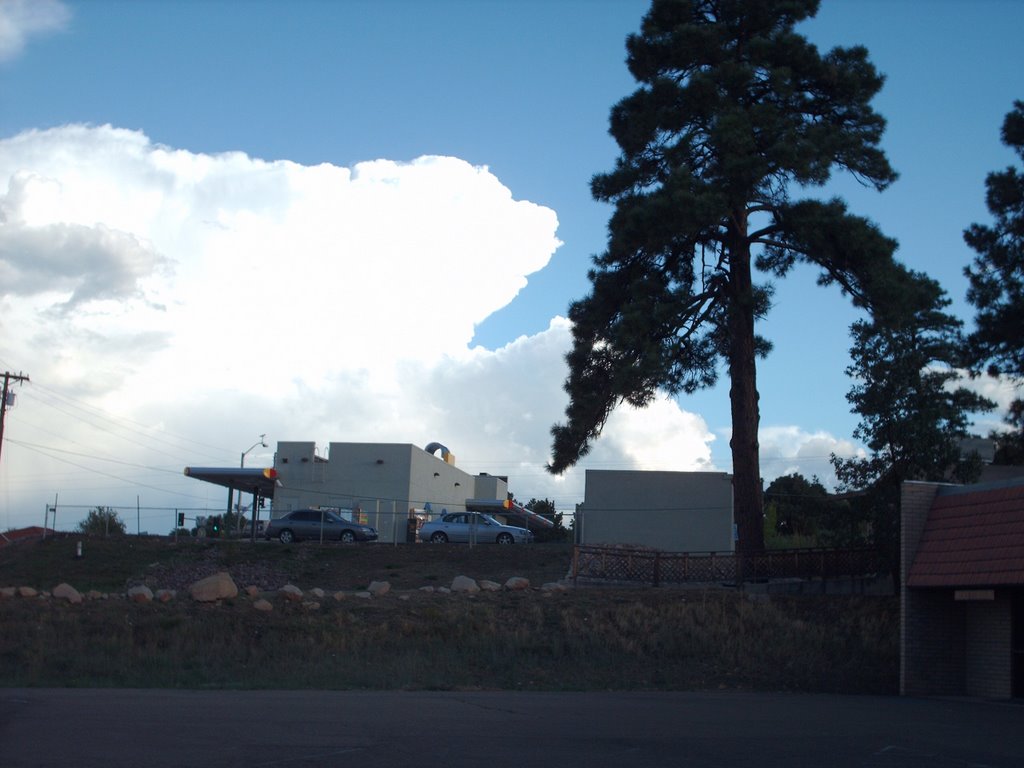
x,y
291,592
311,605
27,592
379,588
140,594
339,595
8,591
216,587
554,586
317,593
426,589
263,605
517,583
489,586
464,584
362,595
67,592
165,595
252,590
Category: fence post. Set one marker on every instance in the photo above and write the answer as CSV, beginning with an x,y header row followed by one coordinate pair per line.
x,y
657,569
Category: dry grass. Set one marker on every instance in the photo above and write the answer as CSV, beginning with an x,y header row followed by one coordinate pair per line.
x,y
585,639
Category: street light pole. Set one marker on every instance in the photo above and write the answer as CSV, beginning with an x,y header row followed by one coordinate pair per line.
x,y
262,442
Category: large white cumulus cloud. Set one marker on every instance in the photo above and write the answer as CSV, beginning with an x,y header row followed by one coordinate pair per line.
x,y
219,295
320,269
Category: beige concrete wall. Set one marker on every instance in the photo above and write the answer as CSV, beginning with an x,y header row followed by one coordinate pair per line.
x,y
490,487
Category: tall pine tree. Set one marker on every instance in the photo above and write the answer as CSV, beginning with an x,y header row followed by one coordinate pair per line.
x,y
734,111
997,279
913,414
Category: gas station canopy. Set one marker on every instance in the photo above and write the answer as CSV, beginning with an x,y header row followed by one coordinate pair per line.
x,y
261,481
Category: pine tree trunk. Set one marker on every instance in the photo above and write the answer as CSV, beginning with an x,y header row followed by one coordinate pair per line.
x,y
748,504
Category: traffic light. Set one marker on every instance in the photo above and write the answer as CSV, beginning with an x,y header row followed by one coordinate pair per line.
x,y
181,519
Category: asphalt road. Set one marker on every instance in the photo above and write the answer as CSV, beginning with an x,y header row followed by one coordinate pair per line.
x,y
155,728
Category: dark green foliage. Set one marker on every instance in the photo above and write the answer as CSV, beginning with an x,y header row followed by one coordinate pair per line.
x,y
546,508
799,506
102,521
734,109
1010,445
997,274
912,414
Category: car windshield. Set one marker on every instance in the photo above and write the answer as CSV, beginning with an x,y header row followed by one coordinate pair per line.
x,y
488,519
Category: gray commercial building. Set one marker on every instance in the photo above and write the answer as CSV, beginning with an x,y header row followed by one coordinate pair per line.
x,y
670,511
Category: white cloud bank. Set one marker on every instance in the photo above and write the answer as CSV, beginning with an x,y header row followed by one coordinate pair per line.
x,y
789,450
22,19
220,297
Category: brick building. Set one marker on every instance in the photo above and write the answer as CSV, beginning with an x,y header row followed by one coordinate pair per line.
x,y
962,590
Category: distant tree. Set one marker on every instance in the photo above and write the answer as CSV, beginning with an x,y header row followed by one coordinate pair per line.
x,y
1010,445
913,413
799,505
234,522
996,279
102,521
546,508
734,110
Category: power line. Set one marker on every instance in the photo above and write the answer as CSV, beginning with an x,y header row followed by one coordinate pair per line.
x,y
105,474
94,417
43,448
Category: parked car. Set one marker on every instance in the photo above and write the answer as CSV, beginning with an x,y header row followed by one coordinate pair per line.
x,y
306,524
472,526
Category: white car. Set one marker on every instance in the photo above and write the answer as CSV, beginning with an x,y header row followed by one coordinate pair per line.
x,y
475,527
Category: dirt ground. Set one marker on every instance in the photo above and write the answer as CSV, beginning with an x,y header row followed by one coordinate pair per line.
x,y
332,566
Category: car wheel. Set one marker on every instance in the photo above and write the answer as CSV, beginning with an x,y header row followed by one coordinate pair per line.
x,y
347,536
505,538
438,538
286,536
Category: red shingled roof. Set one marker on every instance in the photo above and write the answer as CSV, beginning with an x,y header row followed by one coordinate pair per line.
x,y
972,538
32,532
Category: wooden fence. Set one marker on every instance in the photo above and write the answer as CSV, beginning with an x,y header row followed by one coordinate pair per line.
x,y
649,566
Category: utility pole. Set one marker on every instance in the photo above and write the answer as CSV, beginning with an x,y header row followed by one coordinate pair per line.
x,y
8,378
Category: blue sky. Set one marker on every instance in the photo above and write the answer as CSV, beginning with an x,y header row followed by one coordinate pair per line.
x,y
182,158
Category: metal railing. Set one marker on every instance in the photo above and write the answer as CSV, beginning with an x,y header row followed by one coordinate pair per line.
x,y
649,566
